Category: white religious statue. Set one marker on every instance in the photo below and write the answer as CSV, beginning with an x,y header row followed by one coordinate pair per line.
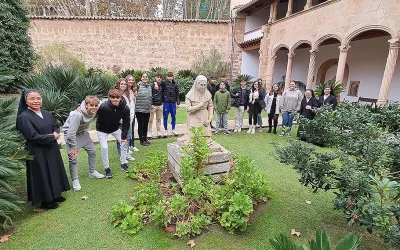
x,y
199,106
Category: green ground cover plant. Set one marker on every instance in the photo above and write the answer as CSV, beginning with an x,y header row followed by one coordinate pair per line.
x,y
190,209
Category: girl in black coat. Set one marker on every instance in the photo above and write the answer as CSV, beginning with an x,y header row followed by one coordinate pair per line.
x,y
328,98
46,177
307,110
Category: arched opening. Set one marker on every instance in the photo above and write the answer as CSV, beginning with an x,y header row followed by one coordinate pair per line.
x,y
281,53
367,58
327,71
300,63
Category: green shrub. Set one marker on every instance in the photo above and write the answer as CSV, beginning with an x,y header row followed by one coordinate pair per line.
x,y
11,154
210,64
16,53
57,55
62,89
126,72
185,84
186,73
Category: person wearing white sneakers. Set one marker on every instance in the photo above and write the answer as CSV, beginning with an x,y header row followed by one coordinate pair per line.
x,y
240,101
156,107
130,99
76,136
170,98
255,107
132,92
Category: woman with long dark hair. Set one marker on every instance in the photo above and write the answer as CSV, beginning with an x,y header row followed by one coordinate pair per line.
x,y
272,106
255,100
143,108
45,172
123,87
132,87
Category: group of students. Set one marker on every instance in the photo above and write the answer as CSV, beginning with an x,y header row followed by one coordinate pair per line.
x,y
46,176
256,99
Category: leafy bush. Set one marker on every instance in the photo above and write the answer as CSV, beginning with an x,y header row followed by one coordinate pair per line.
x,y
57,55
185,84
11,154
322,242
210,64
186,73
7,80
17,52
126,72
366,193
200,201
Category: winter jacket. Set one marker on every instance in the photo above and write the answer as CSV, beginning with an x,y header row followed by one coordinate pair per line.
x,y
156,95
237,97
144,98
109,116
330,100
222,101
76,123
291,100
170,92
268,102
213,88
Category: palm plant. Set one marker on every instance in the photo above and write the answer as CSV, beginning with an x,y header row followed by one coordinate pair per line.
x,y
248,78
322,242
337,88
11,154
62,89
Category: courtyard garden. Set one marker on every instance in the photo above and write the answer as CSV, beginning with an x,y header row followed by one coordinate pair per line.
x,y
280,193
87,224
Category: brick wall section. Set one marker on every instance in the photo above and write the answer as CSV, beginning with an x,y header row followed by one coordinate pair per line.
x,y
134,44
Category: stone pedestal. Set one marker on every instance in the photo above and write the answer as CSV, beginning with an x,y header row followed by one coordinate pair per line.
x,y
218,163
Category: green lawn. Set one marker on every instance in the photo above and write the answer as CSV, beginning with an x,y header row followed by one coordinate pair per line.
x,y
80,224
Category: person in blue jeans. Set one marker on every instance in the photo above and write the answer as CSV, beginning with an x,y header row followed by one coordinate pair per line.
x,y
289,105
170,98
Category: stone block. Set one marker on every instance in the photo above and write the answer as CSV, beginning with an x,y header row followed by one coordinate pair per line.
x,y
218,163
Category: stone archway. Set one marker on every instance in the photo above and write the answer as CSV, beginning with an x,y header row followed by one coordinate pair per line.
x,y
327,65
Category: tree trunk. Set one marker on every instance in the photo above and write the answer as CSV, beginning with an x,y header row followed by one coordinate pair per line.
x,y
198,9
87,8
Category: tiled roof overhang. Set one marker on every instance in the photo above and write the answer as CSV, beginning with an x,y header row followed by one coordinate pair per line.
x,y
250,43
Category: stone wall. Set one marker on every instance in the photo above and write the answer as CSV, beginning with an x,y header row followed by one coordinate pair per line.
x,y
135,44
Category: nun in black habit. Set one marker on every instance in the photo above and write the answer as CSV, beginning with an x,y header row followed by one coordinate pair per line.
x,y
46,177
307,110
